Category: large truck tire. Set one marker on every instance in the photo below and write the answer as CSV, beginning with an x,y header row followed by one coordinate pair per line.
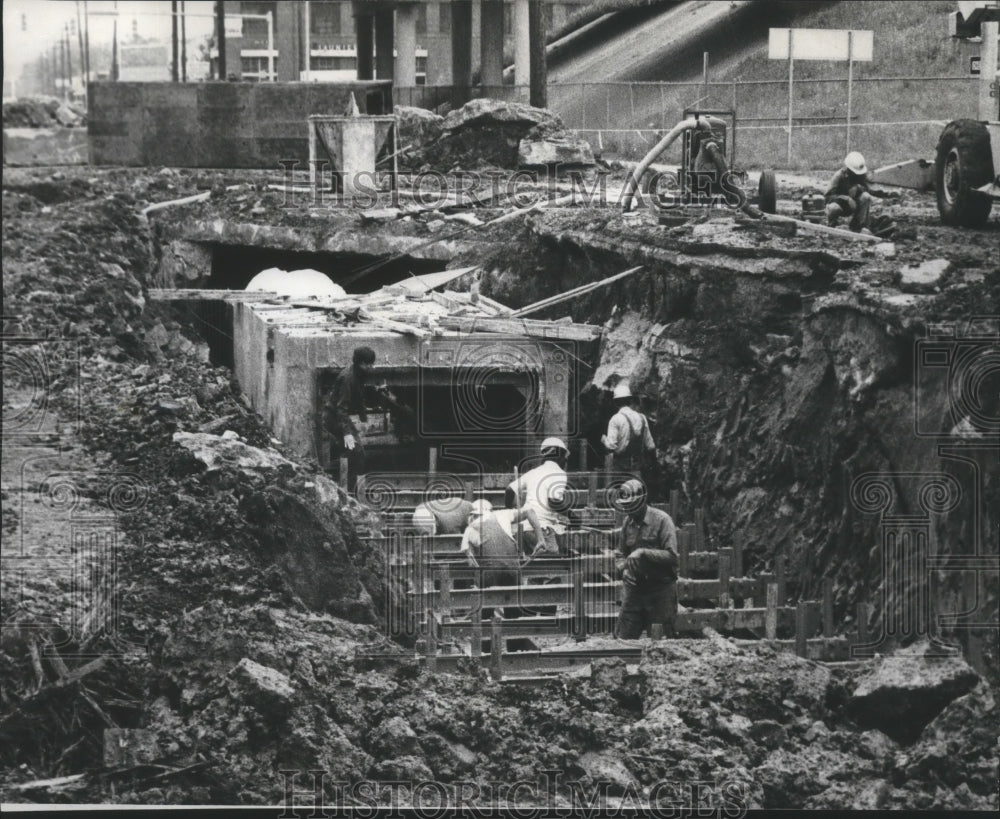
x,y
964,162
767,192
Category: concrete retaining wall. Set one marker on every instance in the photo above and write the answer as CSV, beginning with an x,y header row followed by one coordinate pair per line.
x,y
216,124
44,146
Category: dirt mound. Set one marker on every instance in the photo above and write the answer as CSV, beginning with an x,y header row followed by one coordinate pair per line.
x,y
486,133
43,112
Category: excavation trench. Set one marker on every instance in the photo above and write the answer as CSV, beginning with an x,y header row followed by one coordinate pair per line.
x,y
771,384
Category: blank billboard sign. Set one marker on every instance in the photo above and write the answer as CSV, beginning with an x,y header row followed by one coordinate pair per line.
x,y
821,44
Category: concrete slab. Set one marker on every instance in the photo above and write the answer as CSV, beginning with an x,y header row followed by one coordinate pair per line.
x,y
45,146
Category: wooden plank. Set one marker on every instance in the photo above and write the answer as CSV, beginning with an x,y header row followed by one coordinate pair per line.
x,y
579,602
195,294
554,594
531,328
496,647
684,552
828,607
726,620
771,617
801,627
699,530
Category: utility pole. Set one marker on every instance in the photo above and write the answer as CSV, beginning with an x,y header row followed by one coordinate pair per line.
x,y
174,50
86,37
69,62
220,38
83,56
114,46
62,66
184,50
538,94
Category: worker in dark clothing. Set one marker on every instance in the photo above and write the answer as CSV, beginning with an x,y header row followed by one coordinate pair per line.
x,y
710,167
346,399
849,194
648,565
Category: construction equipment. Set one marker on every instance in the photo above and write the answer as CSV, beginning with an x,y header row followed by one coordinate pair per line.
x,y
706,177
966,170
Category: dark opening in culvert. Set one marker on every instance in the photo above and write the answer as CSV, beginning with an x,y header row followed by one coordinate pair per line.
x,y
233,266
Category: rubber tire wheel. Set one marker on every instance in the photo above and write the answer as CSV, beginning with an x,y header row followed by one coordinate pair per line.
x,y
767,192
964,143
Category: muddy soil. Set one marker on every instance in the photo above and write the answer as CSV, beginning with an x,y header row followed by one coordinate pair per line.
x,y
232,651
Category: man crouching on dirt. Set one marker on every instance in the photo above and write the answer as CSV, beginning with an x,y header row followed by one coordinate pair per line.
x,y
648,565
849,194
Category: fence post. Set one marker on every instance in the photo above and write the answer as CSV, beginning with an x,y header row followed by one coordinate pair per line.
x,y
675,506
496,646
780,570
699,530
431,641
432,460
477,633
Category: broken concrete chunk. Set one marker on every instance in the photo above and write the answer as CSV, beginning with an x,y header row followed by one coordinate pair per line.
x,y
607,672
403,768
263,686
607,768
217,452
128,747
487,112
921,278
550,152
908,689
395,737
885,250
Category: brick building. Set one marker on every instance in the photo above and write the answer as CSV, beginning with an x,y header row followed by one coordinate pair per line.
x,y
429,39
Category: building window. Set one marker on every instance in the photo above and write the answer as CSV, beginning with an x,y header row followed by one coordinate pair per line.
x,y
508,19
444,18
422,18
255,68
324,19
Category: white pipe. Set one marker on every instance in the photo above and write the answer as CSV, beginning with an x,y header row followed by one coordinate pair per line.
x,y
633,180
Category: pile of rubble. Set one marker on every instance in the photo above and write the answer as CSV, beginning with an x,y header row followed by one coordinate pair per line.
x,y
487,133
43,112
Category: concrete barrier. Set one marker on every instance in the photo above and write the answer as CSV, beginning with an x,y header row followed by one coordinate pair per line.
x,y
44,146
216,124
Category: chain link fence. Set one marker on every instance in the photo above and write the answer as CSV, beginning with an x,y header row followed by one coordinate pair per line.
x,y
891,118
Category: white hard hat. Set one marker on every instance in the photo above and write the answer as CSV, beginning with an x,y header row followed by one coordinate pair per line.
x,y
480,508
554,443
621,390
424,520
855,163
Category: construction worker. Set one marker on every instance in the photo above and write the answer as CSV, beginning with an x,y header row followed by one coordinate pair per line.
x,y
710,166
628,438
491,539
848,193
543,491
648,564
345,401
444,516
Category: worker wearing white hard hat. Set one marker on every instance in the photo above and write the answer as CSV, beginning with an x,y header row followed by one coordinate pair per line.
x,y
628,438
848,194
648,564
543,490
493,543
